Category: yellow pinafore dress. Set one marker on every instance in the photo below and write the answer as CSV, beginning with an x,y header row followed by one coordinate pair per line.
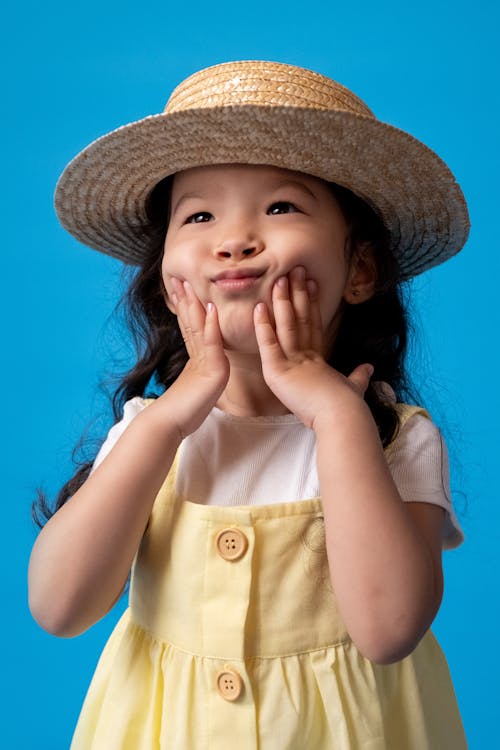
x,y
233,639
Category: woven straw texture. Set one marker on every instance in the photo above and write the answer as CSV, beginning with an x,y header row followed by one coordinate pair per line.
x,y
274,114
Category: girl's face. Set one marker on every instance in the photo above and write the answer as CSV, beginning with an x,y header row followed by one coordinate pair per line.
x,y
235,229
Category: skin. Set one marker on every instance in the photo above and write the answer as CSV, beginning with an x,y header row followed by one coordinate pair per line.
x,y
253,219
256,346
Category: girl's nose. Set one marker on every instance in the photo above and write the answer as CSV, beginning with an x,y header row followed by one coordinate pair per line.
x,y
238,248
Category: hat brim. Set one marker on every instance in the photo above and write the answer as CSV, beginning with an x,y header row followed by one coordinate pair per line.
x,y
102,194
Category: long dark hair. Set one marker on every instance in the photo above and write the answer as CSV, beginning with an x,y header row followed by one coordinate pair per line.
x,y
375,331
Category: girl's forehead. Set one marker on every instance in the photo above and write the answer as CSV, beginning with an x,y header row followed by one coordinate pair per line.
x,y
234,173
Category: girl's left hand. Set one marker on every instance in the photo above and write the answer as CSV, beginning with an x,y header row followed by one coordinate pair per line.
x,y
292,353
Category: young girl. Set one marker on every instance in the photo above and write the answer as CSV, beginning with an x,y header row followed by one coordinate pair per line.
x,y
281,512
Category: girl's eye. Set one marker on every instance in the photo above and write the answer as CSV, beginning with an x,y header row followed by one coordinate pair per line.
x,y
282,207
199,217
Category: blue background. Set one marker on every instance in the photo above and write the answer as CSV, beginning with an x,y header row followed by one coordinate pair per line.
x,y
73,71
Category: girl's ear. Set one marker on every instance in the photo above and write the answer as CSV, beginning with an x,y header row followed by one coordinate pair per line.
x,y
362,278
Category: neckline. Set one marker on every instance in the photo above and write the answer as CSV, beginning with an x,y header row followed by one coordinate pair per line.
x,y
277,419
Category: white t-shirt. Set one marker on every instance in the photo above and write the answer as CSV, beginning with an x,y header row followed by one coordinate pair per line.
x,y
233,460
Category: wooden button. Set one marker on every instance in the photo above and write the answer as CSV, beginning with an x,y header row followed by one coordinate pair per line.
x,y
231,544
229,683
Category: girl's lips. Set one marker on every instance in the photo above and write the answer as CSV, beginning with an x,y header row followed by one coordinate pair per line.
x,y
237,280
239,283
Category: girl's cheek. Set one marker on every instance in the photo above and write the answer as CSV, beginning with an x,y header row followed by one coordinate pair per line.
x,y
178,261
167,273
170,267
168,293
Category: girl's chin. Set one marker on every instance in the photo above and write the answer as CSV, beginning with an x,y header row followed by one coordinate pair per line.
x,y
240,341
238,333
240,347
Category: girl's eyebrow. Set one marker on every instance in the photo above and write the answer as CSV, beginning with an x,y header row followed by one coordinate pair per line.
x,y
184,197
188,195
296,184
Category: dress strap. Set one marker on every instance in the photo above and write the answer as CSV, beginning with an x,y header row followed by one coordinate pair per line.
x,y
405,412
166,493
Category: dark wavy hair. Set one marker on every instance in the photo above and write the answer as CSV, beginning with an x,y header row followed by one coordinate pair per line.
x,y
375,331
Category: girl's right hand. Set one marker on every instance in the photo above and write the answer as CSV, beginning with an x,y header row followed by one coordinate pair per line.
x,y
205,376
82,557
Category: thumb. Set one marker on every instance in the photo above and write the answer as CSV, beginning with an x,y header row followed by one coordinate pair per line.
x,y
360,377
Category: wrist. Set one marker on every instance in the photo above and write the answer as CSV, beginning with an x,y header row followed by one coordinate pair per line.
x,y
347,414
158,423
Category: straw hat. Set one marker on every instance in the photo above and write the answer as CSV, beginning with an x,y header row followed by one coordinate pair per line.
x,y
274,114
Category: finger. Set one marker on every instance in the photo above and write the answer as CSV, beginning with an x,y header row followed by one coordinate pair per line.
x,y
185,331
212,333
191,315
178,299
267,340
177,291
284,316
360,377
182,312
301,305
315,314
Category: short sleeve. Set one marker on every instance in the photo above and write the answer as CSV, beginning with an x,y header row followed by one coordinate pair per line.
x,y
131,409
418,460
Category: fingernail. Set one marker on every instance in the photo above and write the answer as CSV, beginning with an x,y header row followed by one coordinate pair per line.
x,y
282,282
210,307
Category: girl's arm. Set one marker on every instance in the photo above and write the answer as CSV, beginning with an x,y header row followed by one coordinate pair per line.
x,y
82,557
384,556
